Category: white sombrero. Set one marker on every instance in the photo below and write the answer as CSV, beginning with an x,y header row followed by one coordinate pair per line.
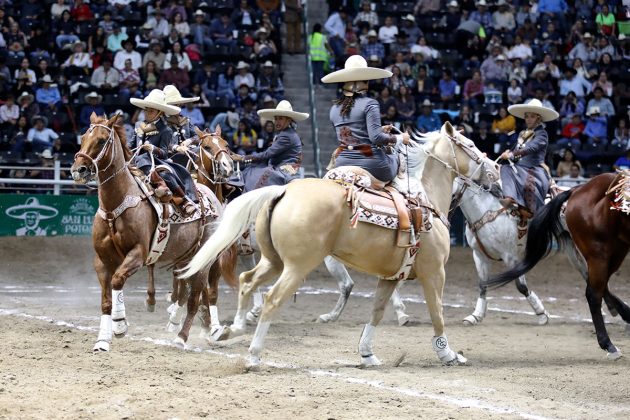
x,y
156,100
355,70
533,106
174,97
32,205
284,109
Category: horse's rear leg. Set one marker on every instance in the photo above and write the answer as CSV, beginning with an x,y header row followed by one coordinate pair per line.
x,y
595,289
105,330
132,262
345,284
399,305
198,283
150,302
214,330
619,307
534,301
176,310
482,264
383,293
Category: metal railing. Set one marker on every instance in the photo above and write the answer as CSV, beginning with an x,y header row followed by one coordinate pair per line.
x,y
53,185
311,95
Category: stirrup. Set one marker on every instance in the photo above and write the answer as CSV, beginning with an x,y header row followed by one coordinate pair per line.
x,y
188,208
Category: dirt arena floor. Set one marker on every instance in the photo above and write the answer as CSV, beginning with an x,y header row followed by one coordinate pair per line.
x,y
49,316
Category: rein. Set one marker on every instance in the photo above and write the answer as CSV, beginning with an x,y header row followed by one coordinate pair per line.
x,y
109,142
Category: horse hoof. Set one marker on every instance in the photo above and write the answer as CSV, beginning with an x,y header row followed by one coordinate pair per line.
x,y
150,307
216,332
325,318
171,327
459,360
179,343
543,319
101,346
471,320
172,308
369,361
614,355
403,320
119,328
252,318
253,364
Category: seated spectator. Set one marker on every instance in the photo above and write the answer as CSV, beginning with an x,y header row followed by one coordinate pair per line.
x,y
526,29
100,55
154,54
47,95
228,121
517,71
200,31
192,111
270,83
179,25
405,105
482,15
9,114
401,46
424,86
243,76
267,136
410,27
596,130
572,133
574,83
548,65
244,138
514,93
387,33
428,121
603,104
143,39
208,80
28,107
78,63
172,38
450,21
568,160
40,137
465,120
93,105
621,138
128,53
573,178
604,47
116,39
225,85
173,7
366,15
473,89
473,52
385,100
159,24
222,30
25,76
106,78
603,82
247,111
485,141
175,75
244,93
66,28
397,80
203,102
605,21
183,59
107,24
129,86
426,7
373,46
244,16
504,128
503,19
81,11
58,8
584,50
623,162
428,53
447,86
17,142
494,69
540,82
264,47
391,116
521,49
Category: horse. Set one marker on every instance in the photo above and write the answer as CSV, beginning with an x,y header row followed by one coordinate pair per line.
x,y
494,235
589,227
123,228
294,239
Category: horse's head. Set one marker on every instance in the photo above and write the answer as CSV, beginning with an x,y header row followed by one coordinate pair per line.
x,y
98,150
215,154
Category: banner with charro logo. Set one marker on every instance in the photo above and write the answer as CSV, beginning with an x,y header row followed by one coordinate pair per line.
x,y
46,215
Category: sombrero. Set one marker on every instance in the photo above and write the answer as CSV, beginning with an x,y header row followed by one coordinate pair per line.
x,y
534,106
31,205
94,95
355,70
156,100
173,97
284,109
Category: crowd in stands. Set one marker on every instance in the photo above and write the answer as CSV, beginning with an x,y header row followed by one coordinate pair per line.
x,y
61,60
467,61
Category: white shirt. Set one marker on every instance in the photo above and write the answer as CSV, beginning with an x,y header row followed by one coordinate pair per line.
x,y
184,61
387,35
78,59
7,113
122,55
31,75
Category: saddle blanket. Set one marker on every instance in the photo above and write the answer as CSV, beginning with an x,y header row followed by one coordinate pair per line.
x,y
621,187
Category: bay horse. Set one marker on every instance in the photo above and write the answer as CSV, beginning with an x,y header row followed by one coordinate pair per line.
x,y
122,230
494,235
596,239
299,224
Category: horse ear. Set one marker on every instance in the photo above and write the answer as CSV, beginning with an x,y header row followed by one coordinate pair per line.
x,y
93,117
217,129
113,120
449,128
198,131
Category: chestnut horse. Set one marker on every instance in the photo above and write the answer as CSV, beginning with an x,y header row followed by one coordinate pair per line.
x,y
303,222
595,237
122,237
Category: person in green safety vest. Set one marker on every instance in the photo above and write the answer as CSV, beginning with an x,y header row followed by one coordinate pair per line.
x,y
318,49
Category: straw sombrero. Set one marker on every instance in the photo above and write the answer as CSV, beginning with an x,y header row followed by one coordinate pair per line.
x,y
284,109
355,70
174,97
32,205
534,106
156,100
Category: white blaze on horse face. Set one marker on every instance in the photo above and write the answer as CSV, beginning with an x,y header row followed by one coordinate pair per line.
x,y
226,164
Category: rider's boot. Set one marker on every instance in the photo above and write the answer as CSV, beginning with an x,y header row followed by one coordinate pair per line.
x,y
162,192
186,206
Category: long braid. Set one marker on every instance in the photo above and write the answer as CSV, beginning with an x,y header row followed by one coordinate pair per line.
x,y
346,102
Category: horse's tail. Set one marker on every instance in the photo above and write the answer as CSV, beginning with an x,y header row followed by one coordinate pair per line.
x,y
228,261
543,228
237,217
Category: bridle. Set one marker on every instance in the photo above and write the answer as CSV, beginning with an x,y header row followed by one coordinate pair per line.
x,y
214,158
95,161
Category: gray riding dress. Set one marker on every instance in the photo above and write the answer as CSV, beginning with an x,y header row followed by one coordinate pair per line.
x,y
362,141
527,181
278,165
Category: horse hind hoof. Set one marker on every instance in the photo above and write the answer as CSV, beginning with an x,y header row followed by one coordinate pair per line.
x,y
614,355
459,360
251,318
403,320
101,347
119,328
217,332
471,320
325,318
150,307
543,319
370,361
253,364
179,343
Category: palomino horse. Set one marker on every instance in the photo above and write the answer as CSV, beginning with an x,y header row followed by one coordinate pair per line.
x,y
123,229
494,235
595,237
306,220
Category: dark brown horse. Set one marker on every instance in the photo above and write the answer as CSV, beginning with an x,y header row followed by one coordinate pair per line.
x,y
596,239
122,231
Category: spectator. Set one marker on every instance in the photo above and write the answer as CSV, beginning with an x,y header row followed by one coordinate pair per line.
x,y
603,104
81,12
106,78
270,83
172,38
387,33
159,24
473,89
222,31
401,46
584,50
244,138
525,15
494,68
175,6
385,100
428,121
154,54
25,76
622,135
426,7
225,86
58,8
503,18
410,27
373,46
318,47
293,22
17,140
150,76
397,80
568,160
540,82
548,65
244,93
93,105
527,30
504,128
107,24
40,137
336,27
179,25
572,133
66,29
447,86
623,162
47,95
514,93
574,83
521,49
425,88
183,59
98,38
485,141
78,63
228,121
130,81
603,82
465,121
9,114
604,47
175,75
391,116
550,39
596,129
128,53
405,105
244,16
208,80
517,71
605,21
200,31
573,178
244,76
264,48
192,111
366,15
143,39
570,105
450,22
481,15
267,135
28,107
428,53
553,9
116,39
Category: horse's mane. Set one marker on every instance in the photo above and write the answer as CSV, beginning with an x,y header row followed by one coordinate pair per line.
x,y
122,137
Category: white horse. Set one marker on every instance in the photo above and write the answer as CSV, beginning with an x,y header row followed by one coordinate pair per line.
x,y
493,234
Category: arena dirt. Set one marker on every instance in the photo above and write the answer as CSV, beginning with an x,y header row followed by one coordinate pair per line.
x,y
49,302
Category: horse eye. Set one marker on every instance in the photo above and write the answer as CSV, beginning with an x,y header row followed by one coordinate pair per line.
x,y
101,142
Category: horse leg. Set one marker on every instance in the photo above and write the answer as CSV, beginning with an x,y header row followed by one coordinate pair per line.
x,y
383,293
433,286
198,283
150,302
619,306
534,301
132,262
215,327
249,261
176,310
345,284
595,289
399,306
611,303
481,307
105,329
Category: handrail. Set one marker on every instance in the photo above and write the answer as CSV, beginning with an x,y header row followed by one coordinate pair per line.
x,y
56,182
311,95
